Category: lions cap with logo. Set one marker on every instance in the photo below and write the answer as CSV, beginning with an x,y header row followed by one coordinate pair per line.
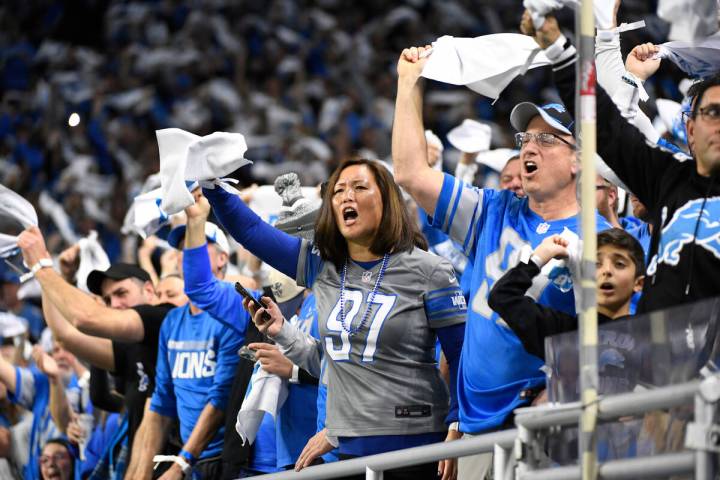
x,y
213,233
554,114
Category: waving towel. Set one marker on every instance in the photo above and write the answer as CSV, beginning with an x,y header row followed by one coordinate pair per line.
x,y
14,207
484,64
701,59
92,257
185,156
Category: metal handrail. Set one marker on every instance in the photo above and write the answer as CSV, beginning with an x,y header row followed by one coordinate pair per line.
x,y
402,458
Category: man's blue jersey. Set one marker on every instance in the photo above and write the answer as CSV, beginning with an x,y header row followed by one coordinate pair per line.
x,y
495,228
197,358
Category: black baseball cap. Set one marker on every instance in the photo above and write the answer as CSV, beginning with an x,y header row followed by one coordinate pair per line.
x,y
554,115
117,271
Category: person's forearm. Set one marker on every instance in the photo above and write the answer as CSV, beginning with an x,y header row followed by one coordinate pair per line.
x,y
151,434
205,429
145,262
409,147
300,348
195,233
276,248
94,350
59,406
71,302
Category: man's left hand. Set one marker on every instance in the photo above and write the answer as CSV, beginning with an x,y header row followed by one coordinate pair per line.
x,y
32,244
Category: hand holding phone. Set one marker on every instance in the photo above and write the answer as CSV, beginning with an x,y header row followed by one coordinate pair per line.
x,y
257,304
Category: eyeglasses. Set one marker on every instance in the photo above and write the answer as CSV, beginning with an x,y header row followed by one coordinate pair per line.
x,y
544,139
711,113
54,458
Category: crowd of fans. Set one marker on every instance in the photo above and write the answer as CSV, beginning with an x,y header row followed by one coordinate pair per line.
x,y
395,305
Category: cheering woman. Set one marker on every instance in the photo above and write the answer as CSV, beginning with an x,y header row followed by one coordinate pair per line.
x,y
381,302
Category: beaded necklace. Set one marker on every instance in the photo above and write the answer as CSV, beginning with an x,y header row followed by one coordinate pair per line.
x,y
349,330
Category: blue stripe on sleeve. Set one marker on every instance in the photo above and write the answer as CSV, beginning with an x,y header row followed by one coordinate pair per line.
x,y
437,220
451,302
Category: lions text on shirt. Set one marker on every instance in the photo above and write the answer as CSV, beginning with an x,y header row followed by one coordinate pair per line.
x,y
196,362
495,228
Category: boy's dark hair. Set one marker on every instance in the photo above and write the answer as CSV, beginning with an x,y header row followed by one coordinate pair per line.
x,y
697,90
619,238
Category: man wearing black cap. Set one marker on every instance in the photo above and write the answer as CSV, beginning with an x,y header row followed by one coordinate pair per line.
x,y
121,337
496,228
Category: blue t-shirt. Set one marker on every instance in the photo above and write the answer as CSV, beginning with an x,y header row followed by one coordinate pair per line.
x,y
32,391
441,244
196,363
494,228
641,231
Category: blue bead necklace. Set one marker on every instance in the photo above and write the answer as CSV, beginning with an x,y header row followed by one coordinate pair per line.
x,y
349,330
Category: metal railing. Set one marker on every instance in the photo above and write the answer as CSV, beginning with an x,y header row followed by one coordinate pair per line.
x,y
516,450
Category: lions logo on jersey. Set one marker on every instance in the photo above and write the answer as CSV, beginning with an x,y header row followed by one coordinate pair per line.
x,y
681,228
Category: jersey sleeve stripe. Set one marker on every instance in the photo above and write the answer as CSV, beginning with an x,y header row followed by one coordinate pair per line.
x,y
469,244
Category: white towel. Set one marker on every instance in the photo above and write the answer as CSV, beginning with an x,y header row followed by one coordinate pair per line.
x,y
14,207
484,64
92,257
59,216
690,20
701,59
602,10
470,136
267,394
148,217
185,156
496,159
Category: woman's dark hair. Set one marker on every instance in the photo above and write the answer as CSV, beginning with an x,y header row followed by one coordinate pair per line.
x,y
72,452
619,238
397,232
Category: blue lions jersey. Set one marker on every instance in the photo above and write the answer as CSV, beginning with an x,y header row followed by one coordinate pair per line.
x,y
196,362
495,228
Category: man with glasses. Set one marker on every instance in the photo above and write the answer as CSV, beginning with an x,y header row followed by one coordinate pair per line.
x,y
498,230
682,198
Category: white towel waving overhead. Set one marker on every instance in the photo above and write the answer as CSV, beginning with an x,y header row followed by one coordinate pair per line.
x,y
267,394
185,156
668,111
470,136
701,59
603,10
148,216
92,257
540,8
15,207
484,64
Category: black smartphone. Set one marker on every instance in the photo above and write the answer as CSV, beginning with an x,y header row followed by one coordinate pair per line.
x,y
242,291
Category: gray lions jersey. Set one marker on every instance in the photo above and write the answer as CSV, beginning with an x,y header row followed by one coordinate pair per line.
x,y
384,379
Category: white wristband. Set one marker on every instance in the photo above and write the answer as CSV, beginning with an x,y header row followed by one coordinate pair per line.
x,y
454,426
184,465
42,263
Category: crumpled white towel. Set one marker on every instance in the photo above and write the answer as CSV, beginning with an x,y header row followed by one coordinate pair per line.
x,y
185,156
690,20
148,216
92,257
59,216
497,158
701,59
268,393
470,136
540,8
15,207
484,64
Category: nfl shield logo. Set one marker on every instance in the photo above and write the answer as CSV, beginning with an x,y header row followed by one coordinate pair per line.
x,y
542,228
367,277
